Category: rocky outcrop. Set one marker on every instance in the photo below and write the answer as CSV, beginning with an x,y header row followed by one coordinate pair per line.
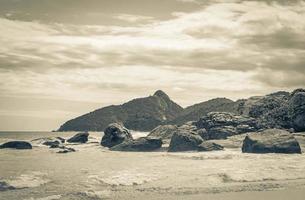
x,y
220,125
115,134
165,132
185,140
140,144
271,141
16,145
142,114
79,138
297,110
209,146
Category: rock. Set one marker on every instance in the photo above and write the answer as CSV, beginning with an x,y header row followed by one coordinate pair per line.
x,y
165,132
297,110
271,141
209,146
5,186
115,134
66,150
223,132
16,145
140,144
184,140
79,138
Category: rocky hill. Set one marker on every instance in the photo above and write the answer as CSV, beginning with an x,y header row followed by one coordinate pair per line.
x,y
194,112
276,110
141,114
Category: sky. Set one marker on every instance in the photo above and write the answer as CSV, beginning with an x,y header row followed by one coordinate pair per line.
x,y
62,58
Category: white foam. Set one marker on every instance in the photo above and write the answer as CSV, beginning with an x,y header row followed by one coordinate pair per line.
x,y
33,179
125,178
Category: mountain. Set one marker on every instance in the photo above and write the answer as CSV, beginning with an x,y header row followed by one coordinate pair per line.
x,y
194,112
142,114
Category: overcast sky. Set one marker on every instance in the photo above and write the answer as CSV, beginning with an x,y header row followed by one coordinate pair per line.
x,y
62,58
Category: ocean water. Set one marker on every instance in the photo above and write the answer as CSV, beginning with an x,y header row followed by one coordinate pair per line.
x,y
94,172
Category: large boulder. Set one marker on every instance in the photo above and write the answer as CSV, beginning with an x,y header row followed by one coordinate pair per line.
x,y
16,145
297,110
140,144
115,134
184,140
271,141
209,146
79,138
165,132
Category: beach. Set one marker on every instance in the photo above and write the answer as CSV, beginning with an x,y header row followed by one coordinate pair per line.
x,y
94,172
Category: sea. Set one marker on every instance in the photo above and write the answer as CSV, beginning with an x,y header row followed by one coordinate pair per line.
x,y
94,172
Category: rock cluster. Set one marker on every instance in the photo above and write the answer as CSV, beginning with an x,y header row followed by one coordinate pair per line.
x,y
220,125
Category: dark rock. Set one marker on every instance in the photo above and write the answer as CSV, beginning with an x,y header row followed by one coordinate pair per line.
x,y
4,186
297,110
221,132
184,140
16,145
140,144
271,141
165,132
66,150
51,143
115,134
209,146
79,138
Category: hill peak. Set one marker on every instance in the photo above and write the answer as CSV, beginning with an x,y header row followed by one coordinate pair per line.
x,y
161,94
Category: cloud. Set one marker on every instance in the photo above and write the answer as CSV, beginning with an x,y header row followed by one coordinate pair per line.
x,y
211,48
134,18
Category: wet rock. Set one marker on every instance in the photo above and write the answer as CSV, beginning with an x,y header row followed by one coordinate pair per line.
x,y
66,150
271,141
79,138
165,132
16,145
184,140
140,144
115,134
5,186
209,146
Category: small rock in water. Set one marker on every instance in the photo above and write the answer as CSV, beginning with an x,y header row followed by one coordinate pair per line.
x,y
4,186
66,150
16,145
79,138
